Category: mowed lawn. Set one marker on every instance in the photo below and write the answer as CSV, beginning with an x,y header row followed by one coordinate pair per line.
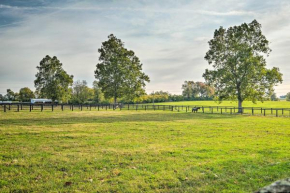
x,y
265,104
141,151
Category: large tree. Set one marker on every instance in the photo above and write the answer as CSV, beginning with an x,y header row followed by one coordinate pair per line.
x,y
119,72
239,67
25,94
52,81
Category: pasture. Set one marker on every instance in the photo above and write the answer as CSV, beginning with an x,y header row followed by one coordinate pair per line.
x,y
141,151
265,104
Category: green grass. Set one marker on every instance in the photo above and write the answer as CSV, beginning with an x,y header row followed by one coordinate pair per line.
x,y
143,151
266,104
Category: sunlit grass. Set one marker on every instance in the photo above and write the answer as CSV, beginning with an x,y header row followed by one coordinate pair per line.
x,y
265,104
135,151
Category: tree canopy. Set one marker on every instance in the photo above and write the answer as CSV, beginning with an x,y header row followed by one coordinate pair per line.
x,y
25,94
237,55
119,72
81,93
52,81
191,90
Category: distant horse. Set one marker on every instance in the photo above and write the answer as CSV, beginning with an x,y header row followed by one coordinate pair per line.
x,y
195,109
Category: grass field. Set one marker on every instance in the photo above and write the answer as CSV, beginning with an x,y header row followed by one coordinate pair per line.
x,y
141,151
265,104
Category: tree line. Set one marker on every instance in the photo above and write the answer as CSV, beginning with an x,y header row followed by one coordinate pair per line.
x,y
236,54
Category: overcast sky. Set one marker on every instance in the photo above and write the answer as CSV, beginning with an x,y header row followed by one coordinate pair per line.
x,y
170,37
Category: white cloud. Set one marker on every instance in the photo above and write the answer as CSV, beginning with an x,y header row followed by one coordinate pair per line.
x,y
170,37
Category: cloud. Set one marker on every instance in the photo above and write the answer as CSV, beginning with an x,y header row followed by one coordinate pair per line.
x,y
169,37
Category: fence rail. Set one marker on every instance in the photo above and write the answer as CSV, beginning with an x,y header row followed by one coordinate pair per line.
x,y
27,107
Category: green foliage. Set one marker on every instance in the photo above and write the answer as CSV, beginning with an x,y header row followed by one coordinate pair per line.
x,y
81,93
191,89
98,95
274,97
51,80
237,56
119,72
11,96
288,96
25,94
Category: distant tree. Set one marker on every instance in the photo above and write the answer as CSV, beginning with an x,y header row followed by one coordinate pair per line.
x,y
51,80
25,94
119,72
98,95
288,96
2,98
274,97
239,66
10,96
187,89
81,93
193,90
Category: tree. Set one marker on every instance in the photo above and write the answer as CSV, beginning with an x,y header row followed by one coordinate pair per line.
x,y
51,79
240,72
81,93
10,96
193,90
25,94
274,97
187,88
119,72
2,98
98,95
288,96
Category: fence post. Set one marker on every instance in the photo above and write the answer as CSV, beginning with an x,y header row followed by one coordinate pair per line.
x,y
62,107
30,108
271,111
282,111
41,107
221,110
90,107
252,111
264,112
98,107
276,113
21,107
4,108
202,109
231,111
72,108
51,107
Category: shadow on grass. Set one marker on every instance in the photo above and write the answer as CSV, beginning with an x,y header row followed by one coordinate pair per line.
x,y
113,118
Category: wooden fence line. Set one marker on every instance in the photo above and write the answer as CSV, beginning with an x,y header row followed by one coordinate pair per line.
x,y
203,108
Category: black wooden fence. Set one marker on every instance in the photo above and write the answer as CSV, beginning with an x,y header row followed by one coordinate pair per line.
x,y
27,107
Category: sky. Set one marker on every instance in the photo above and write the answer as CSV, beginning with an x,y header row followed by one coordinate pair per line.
x,y
170,37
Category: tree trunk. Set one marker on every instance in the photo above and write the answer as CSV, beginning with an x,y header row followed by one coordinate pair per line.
x,y
240,106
